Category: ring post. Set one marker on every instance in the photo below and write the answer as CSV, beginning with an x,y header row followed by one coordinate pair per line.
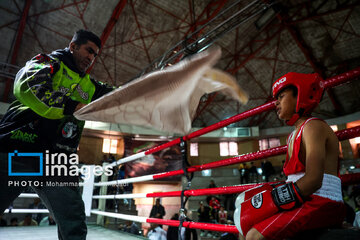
x,y
102,202
88,188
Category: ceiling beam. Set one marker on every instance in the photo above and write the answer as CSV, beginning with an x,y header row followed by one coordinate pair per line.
x,y
211,10
329,12
139,28
110,25
254,52
318,68
16,47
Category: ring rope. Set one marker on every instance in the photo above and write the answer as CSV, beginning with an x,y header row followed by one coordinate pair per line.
x,y
341,134
174,223
328,83
20,210
346,179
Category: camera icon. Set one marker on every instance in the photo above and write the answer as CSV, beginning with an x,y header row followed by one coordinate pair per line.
x,y
16,154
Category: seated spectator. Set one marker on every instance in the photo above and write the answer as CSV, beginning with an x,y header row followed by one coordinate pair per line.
x,y
28,221
47,221
229,236
156,232
14,222
222,215
131,227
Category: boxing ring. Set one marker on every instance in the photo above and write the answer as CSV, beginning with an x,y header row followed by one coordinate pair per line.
x,y
188,171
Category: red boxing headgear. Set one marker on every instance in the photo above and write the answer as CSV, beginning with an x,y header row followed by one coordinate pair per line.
x,y
310,90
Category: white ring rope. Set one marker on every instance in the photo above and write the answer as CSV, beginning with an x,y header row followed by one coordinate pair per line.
x,y
120,216
121,196
20,210
127,180
128,159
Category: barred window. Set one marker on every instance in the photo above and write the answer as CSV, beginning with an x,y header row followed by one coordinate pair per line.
x,y
194,149
110,146
228,148
269,143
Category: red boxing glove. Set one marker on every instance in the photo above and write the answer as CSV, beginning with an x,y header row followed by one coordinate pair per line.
x,y
265,204
253,191
250,193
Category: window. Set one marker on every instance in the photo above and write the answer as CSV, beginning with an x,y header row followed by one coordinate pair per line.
x,y
268,143
110,146
228,148
334,128
194,149
206,173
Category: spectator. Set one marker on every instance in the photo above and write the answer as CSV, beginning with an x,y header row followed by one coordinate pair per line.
x,y
37,204
47,221
111,158
244,173
14,222
253,173
229,236
215,205
105,159
158,210
186,233
131,227
222,215
128,189
212,184
267,169
121,172
28,221
156,232
204,215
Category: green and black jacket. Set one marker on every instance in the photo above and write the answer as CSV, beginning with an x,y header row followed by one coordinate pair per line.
x,y
47,90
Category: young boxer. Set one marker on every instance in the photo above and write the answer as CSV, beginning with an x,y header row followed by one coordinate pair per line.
x,y
311,197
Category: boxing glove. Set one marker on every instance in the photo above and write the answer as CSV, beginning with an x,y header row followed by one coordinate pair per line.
x,y
265,204
253,191
250,193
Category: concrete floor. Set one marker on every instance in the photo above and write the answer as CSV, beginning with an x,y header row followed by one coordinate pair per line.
x,y
50,233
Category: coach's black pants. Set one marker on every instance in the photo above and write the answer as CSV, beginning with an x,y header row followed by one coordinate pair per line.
x,y
64,203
